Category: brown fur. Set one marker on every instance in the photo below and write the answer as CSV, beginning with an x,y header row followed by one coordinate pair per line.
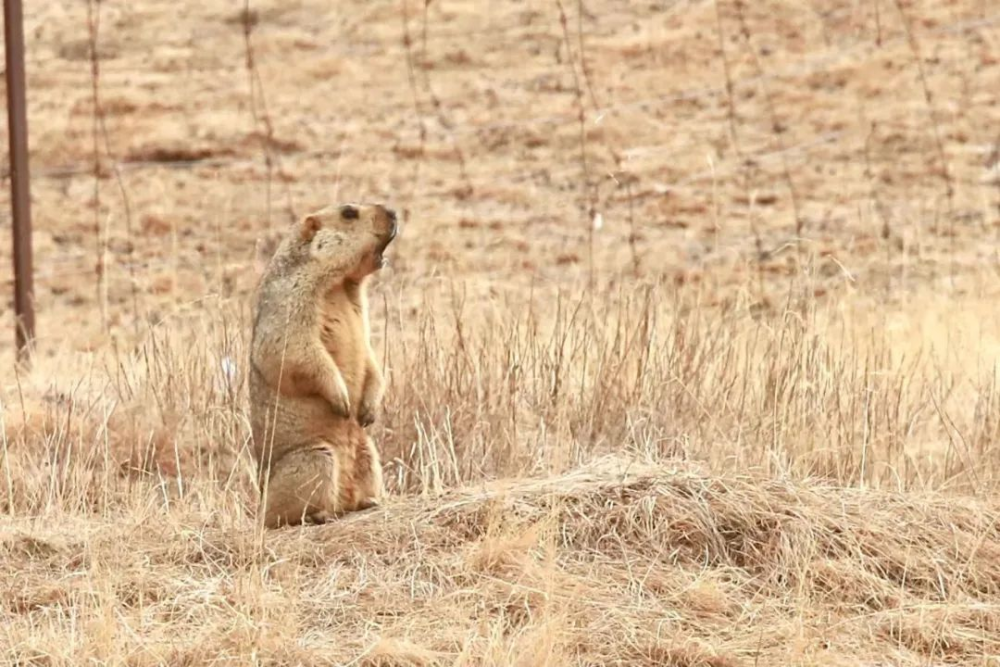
x,y
314,380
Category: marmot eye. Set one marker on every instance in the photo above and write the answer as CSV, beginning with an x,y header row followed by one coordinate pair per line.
x,y
349,213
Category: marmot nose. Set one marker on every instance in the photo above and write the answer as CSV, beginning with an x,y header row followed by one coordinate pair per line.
x,y
393,227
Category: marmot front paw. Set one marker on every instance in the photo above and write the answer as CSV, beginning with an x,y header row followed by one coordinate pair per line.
x,y
341,405
366,415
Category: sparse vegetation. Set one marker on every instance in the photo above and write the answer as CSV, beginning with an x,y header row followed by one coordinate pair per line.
x,y
711,424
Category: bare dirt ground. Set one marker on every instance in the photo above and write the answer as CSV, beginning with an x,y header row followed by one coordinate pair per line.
x,y
748,250
473,131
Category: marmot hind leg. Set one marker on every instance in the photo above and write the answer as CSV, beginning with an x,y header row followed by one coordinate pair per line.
x,y
303,487
368,485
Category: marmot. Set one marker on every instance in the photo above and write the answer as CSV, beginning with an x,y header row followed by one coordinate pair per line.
x,y
314,381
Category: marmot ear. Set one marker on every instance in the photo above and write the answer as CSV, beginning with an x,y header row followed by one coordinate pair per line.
x,y
309,227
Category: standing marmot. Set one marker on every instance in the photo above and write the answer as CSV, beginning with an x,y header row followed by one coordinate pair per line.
x,y
314,380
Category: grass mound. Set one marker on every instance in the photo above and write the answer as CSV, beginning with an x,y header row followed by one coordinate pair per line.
x,y
613,563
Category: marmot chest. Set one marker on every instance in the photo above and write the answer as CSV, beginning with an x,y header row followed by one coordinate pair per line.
x,y
343,333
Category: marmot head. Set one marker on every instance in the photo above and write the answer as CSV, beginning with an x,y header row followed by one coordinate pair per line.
x,y
349,239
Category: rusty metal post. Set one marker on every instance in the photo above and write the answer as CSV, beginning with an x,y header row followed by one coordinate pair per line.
x,y
20,191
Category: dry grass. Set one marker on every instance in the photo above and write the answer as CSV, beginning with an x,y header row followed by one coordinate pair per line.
x,y
130,502
749,418
623,562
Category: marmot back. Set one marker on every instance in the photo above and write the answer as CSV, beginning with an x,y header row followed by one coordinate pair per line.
x,y
314,380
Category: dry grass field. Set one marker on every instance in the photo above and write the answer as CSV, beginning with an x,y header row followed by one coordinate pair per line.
x,y
690,332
